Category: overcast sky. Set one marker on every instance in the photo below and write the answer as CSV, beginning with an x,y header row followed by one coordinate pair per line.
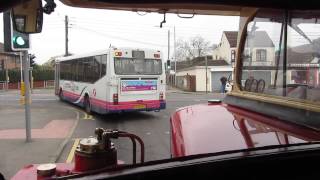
x,y
92,29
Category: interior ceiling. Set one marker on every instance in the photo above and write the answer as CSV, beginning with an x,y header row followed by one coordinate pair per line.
x,y
209,7
177,8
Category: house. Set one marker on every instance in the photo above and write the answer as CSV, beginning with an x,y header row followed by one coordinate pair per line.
x,y
226,49
8,60
191,75
259,52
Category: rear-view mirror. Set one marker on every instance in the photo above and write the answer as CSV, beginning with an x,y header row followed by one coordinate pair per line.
x,y
27,17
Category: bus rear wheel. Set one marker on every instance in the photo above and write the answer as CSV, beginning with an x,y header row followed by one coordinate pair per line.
x,y
87,105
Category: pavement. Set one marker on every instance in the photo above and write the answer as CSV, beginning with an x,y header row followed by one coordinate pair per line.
x,y
52,125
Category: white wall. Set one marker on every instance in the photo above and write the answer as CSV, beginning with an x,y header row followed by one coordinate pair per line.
x,y
200,73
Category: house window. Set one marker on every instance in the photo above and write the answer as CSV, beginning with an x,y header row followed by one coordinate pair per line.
x,y
261,54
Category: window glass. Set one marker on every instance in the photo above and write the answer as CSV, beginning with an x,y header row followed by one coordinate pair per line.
x,y
74,70
65,70
103,65
303,54
80,70
87,69
262,54
137,66
96,68
270,68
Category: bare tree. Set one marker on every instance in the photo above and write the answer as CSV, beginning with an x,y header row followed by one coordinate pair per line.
x,y
195,47
182,50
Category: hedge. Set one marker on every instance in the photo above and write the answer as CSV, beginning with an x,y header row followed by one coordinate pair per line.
x,y
38,75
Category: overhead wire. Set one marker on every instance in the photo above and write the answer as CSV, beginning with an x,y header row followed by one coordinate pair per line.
x,y
121,38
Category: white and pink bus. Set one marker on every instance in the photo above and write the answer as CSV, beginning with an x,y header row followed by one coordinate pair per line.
x,y
113,80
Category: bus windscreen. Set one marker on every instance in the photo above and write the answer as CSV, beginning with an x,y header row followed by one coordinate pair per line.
x,y
133,66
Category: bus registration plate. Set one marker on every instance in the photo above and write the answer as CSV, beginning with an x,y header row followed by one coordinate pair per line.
x,y
139,106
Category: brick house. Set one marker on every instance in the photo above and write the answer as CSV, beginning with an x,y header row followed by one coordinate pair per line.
x,y
8,60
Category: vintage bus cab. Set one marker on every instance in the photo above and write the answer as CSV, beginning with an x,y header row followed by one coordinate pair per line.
x,y
275,98
267,127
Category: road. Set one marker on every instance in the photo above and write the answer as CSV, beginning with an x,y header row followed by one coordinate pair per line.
x,y
48,112
152,127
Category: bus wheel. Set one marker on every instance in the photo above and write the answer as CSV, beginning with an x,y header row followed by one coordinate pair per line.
x,y
87,105
61,95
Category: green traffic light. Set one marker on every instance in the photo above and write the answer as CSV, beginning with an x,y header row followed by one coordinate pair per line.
x,y
19,40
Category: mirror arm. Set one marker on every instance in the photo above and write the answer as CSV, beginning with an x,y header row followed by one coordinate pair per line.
x,y
164,19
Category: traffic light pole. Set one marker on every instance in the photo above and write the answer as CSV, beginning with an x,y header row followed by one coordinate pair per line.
x,y
27,101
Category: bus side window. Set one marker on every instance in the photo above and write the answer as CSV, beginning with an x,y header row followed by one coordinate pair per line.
x,y
80,70
74,76
103,65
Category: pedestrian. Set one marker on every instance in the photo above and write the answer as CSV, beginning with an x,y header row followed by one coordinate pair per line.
x,y
223,84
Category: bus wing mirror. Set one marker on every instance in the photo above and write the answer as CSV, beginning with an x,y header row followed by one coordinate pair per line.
x,y
27,17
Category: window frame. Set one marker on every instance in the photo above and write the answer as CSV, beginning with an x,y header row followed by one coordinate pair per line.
x,y
259,55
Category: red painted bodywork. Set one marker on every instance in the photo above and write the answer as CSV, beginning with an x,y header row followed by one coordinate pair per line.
x,y
30,172
208,128
86,162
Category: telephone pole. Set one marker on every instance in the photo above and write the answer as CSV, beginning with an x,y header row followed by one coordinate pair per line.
x,y
66,20
169,44
175,57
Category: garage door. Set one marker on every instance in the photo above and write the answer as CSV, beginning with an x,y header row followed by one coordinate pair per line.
x,y
215,79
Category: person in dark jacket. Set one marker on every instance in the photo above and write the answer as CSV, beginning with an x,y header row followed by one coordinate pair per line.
x,y
223,84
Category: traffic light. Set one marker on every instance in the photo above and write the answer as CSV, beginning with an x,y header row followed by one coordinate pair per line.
x,y
14,40
168,64
31,59
20,41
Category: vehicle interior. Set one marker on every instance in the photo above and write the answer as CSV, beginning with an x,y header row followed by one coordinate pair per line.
x,y
284,86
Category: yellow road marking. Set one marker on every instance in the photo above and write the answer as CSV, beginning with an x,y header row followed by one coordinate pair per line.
x,y
88,117
73,149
